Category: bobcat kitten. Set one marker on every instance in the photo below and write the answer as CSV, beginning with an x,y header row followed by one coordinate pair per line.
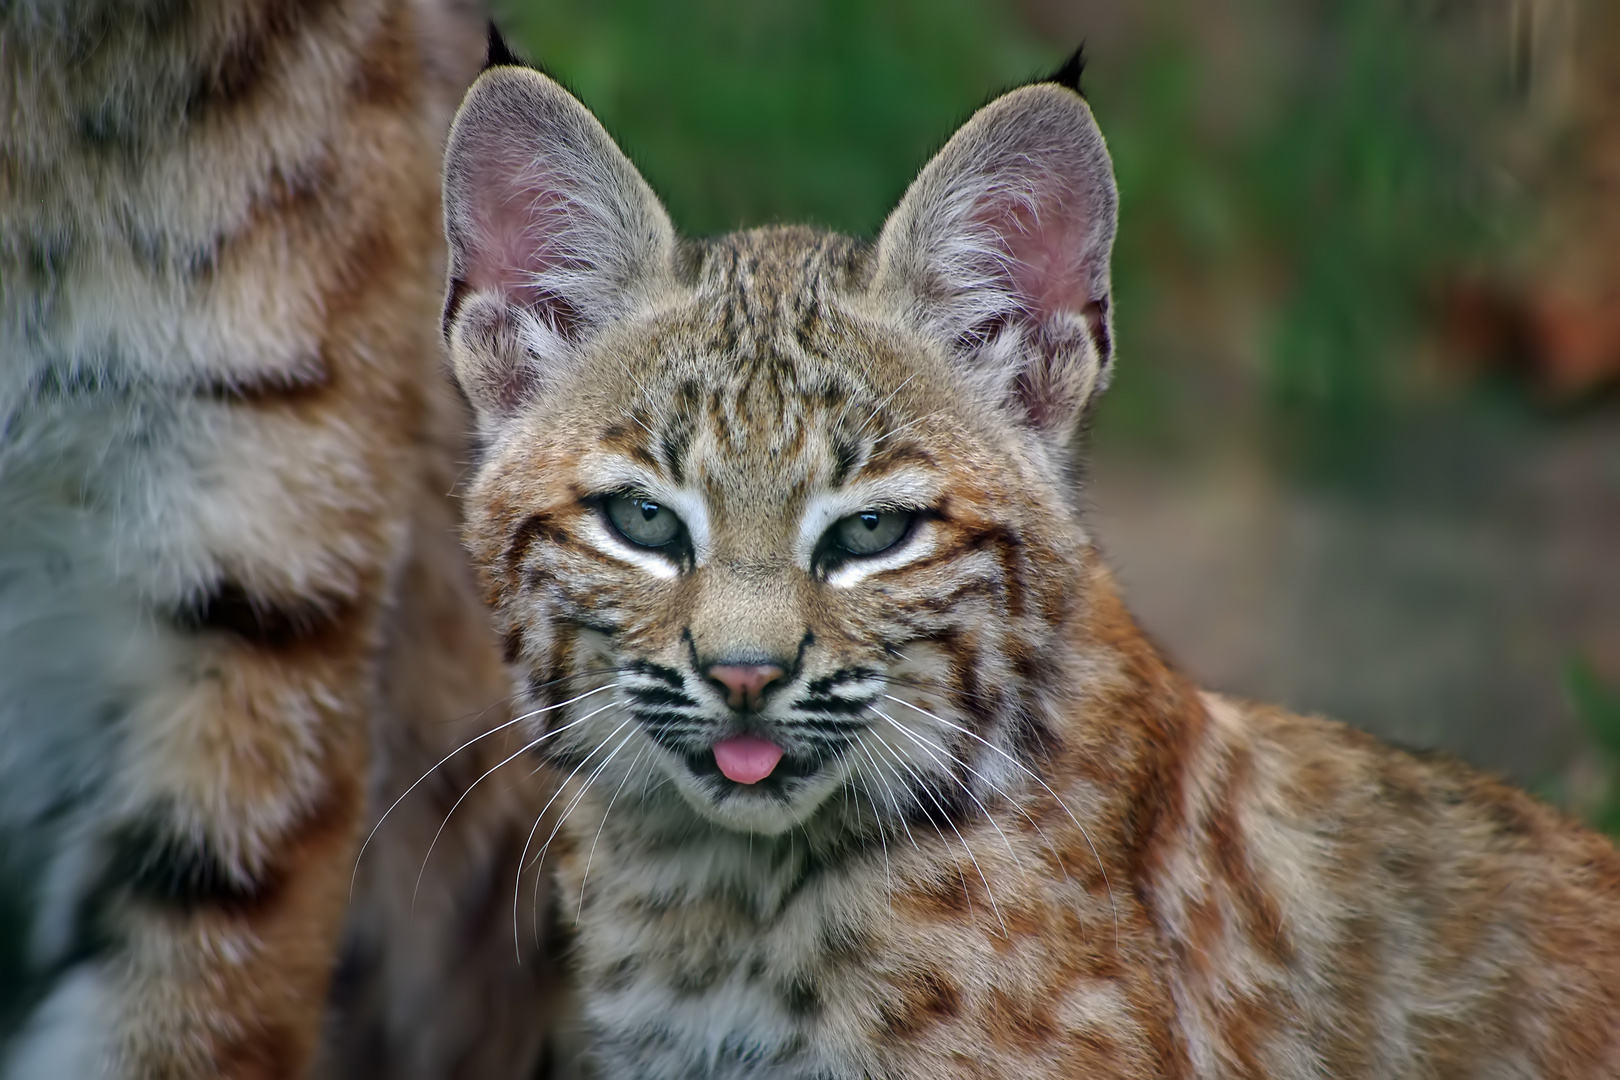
x,y
871,774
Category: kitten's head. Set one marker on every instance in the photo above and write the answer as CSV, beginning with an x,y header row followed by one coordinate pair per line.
x,y
780,517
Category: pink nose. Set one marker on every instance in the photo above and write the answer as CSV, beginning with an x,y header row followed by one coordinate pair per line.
x,y
745,683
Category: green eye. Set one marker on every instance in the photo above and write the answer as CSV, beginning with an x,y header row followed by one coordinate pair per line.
x,y
642,521
871,531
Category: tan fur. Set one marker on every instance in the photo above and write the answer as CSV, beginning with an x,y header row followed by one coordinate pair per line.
x,y
226,458
1006,838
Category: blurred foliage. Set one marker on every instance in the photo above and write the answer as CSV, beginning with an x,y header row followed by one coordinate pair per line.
x,y
1340,184
1350,193
1598,708
747,112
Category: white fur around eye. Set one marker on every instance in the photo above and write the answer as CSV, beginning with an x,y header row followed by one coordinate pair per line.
x,y
919,544
910,490
607,472
606,539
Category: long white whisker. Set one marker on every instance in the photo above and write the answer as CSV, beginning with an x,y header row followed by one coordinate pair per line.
x,y
879,406
877,820
991,784
900,782
644,393
914,737
899,814
907,424
1033,776
929,791
501,727
585,786
541,816
586,876
575,801
513,757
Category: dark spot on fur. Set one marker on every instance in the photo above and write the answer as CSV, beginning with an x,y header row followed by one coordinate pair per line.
x,y
1509,819
155,865
108,130
622,975
928,997
541,527
388,71
658,695
512,646
452,304
271,388
846,455
245,61
672,448
657,671
692,980
228,607
800,998
265,1050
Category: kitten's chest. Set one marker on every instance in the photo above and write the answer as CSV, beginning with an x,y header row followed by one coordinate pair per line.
x,y
719,973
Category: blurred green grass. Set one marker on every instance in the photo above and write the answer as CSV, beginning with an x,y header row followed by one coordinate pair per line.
x,y
1598,707
747,113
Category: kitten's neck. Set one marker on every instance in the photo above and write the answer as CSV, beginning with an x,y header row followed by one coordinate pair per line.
x,y
1135,721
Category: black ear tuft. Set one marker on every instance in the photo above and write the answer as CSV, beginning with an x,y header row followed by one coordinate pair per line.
x,y
1069,74
500,54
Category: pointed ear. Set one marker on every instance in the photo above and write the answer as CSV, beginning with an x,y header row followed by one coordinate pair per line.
x,y
999,251
553,235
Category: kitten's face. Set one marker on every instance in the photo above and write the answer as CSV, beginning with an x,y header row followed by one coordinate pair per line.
x,y
770,522
763,514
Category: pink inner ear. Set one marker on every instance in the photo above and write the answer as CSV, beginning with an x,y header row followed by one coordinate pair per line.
x,y
1046,244
518,212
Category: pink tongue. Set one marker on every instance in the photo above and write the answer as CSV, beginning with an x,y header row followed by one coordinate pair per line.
x,y
747,759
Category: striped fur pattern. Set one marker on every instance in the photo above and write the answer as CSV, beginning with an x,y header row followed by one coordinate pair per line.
x,y
1004,838
227,554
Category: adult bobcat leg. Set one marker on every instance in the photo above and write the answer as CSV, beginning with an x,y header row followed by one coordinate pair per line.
x,y
219,233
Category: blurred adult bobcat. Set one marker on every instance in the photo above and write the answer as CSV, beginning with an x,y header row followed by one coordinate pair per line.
x,y
233,610
871,774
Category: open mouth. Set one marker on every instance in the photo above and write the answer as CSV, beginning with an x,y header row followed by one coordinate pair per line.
x,y
747,762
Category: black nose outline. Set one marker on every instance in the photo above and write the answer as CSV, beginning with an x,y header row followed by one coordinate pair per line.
x,y
744,684
788,671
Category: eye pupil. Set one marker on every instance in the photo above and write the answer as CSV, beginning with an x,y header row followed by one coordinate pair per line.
x,y
867,532
642,521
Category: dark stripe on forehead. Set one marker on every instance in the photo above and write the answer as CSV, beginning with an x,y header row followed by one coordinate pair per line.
x,y
888,458
676,438
846,455
630,440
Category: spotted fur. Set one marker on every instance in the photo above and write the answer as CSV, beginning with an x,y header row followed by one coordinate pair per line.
x,y
1005,838
233,615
